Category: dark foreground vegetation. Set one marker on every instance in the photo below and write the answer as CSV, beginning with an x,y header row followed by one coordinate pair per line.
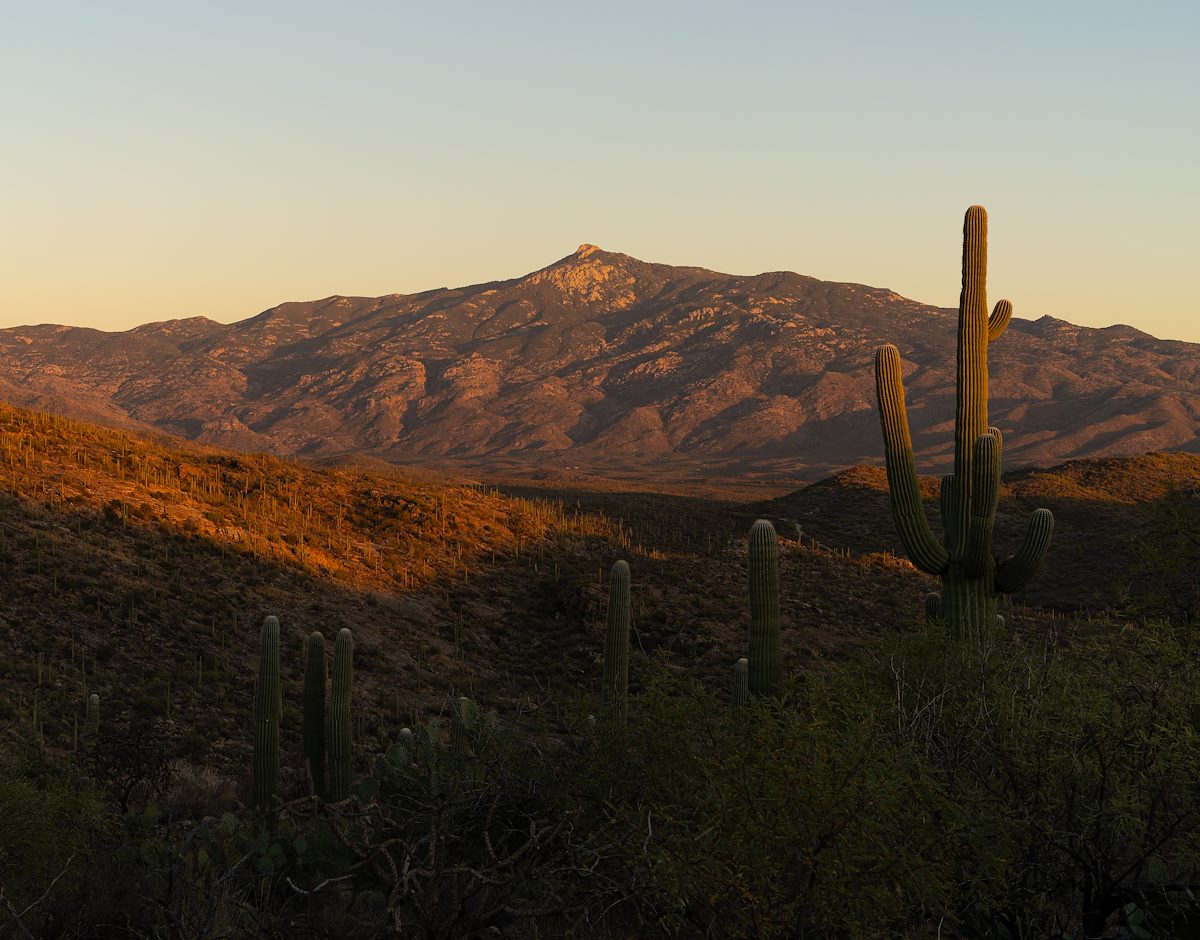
x,y
1041,782
1015,788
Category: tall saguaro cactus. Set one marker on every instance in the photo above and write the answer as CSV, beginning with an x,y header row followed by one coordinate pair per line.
x,y
766,662
616,647
340,726
268,709
314,710
972,577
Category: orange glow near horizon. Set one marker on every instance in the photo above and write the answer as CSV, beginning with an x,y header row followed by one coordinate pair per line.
x,y
317,160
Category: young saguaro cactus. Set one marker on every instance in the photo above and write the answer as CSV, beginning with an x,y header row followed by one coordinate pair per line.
x,y
462,725
268,708
766,662
616,647
741,683
91,722
933,608
972,577
340,726
314,710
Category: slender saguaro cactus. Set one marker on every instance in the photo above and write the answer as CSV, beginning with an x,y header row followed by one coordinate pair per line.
x,y
461,726
616,647
972,577
339,716
314,710
91,722
268,708
405,743
933,608
766,663
741,683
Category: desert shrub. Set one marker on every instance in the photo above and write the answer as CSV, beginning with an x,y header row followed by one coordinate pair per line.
x,y
787,819
196,792
1165,581
1066,775
443,840
1011,788
47,827
130,763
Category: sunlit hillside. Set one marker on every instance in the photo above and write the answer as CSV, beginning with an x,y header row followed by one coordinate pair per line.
x,y
140,568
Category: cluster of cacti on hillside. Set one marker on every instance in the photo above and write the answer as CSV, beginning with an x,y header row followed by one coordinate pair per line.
x,y
327,725
972,577
322,749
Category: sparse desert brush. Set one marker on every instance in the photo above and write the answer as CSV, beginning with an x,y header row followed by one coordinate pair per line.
x,y
197,791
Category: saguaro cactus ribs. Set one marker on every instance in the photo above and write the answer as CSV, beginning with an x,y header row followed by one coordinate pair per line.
x,y
971,575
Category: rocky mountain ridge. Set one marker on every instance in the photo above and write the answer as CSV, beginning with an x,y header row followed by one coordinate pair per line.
x,y
613,365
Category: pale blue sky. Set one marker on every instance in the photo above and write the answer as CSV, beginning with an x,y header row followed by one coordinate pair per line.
x,y
172,159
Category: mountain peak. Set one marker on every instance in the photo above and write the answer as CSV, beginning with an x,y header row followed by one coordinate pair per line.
x,y
605,361
590,275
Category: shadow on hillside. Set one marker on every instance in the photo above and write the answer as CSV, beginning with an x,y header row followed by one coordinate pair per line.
x,y
163,624
668,521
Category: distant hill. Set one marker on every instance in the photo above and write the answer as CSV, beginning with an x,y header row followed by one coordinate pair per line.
x,y
611,365
1110,521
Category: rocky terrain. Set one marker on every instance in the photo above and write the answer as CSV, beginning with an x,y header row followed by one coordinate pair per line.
x,y
603,364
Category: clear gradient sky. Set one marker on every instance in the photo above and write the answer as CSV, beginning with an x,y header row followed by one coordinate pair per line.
x,y
168,159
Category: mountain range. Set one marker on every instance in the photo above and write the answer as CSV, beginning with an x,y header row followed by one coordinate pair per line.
x,y
606,364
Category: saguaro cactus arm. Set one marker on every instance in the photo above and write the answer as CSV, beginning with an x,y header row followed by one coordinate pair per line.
x,y
922,546
998,321
1016,570
985,494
